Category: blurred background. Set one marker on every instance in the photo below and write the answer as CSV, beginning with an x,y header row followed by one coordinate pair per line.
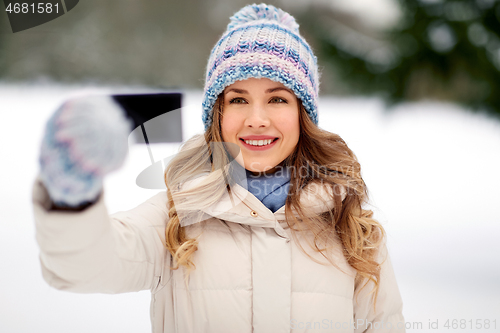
x,y
412,86
401,50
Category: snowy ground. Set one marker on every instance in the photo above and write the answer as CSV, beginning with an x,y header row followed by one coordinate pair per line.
x,y
432,172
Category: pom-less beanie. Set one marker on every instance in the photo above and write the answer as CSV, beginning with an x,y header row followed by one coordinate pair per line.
x,y
262,41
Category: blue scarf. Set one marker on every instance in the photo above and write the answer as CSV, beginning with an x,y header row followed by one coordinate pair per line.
x,y
270,189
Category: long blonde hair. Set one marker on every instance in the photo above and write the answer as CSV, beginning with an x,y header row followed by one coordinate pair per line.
x,y
326,161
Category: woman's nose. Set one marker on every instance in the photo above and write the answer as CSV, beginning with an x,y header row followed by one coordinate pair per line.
x,y
257,117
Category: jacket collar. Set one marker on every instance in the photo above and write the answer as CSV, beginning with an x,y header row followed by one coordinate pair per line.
x,y
241,206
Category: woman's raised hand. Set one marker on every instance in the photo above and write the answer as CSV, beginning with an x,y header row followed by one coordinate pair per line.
x,y
85,139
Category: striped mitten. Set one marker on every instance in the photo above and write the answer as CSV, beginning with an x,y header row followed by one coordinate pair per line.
x,y
85,139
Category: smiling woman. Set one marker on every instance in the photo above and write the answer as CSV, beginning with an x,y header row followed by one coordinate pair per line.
x,y
262,227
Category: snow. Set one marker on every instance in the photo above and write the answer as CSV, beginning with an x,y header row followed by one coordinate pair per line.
x,y
432,172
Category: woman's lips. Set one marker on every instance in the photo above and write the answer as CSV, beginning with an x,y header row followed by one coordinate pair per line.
x,y
257,147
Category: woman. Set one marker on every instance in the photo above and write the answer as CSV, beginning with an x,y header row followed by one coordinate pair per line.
x,y
262,228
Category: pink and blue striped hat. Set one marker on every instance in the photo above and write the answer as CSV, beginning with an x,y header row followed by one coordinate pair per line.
x,y
262,41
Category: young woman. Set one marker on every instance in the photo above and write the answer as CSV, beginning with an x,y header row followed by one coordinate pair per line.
x,y
262,228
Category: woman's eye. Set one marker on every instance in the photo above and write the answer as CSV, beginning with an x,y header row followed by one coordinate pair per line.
x,y
237,100
277,100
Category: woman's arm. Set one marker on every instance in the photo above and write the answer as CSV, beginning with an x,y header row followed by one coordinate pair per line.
x,y
387,316
89,251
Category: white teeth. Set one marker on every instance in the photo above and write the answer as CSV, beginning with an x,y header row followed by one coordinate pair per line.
x,y
258,142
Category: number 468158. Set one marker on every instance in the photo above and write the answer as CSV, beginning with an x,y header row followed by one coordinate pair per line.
x,y
25,8
470,324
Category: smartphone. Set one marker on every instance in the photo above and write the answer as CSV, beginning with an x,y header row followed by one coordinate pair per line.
x,y
159,115
157,118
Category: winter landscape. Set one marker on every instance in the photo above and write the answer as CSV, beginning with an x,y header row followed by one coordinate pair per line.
x,y
431,169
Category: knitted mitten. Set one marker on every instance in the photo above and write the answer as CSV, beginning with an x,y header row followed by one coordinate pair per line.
x,y
85,139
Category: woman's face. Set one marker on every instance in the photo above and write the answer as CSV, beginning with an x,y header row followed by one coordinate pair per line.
x,y
262,117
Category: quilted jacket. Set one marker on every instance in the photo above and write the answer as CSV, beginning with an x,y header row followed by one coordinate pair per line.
x,y
250,276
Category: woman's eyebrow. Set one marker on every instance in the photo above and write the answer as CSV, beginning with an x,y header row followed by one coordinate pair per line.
x,y
271,90
238,91
268,91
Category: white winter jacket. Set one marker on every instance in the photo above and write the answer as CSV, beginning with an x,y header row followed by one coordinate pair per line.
x,y
250,274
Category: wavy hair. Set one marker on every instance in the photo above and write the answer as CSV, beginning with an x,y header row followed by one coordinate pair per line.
x,y
321,158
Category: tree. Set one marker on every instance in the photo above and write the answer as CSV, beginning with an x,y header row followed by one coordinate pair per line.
x,y
446,50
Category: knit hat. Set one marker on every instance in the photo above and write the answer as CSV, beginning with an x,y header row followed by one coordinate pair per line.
x,y
262,41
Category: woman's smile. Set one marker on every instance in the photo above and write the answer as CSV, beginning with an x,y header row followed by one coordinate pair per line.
x,y
258,142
